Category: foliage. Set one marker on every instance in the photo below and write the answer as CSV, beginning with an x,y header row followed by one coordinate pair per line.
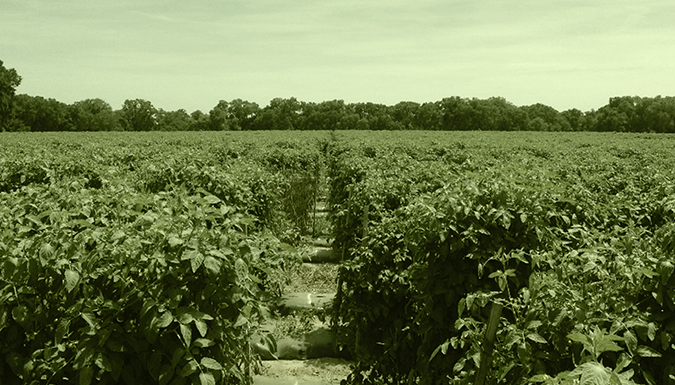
x,y
621,114
120,268
123,287
9,81
574,239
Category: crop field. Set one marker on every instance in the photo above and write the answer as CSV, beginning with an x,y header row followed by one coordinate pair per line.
x,y
151,257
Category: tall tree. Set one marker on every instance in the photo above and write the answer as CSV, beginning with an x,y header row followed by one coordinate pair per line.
x,y
219,117
93,115
550,117
138,115
178,120
243,113
199,121
9,81
35,113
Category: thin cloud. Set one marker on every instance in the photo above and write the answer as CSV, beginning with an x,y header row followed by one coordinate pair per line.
x,y
192,54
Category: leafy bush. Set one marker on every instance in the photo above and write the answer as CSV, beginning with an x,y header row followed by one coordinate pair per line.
x,y
121,287
430,267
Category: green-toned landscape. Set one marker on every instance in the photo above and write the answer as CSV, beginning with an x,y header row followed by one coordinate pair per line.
x,y
155,257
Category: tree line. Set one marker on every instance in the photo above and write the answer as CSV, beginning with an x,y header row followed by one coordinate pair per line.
x,y
622,114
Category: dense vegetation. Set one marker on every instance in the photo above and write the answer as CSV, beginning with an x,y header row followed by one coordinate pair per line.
x,y
124,265
621,114
573,234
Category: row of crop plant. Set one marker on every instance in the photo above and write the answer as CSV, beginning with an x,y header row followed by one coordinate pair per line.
x,y
145,259
573,235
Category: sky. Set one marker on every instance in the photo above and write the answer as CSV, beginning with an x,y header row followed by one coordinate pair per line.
x,y
191,54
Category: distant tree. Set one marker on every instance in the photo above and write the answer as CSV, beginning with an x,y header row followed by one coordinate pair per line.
x,y
178,120
219,117
538,124
9,81
405,114
498,114
328,115
199,121
575,118
138,115
242,114
428,117
35,113
553,120
280,114
93,115
658,114
374,116
458,114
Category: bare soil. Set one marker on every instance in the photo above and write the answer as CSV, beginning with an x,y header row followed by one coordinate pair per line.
x,y
320,371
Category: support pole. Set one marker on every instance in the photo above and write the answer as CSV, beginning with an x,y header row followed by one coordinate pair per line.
x,y
488,344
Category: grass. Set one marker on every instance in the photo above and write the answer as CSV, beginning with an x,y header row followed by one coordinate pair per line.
x,y
319,278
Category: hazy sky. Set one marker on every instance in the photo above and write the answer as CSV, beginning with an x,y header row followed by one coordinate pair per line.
x,y
191,54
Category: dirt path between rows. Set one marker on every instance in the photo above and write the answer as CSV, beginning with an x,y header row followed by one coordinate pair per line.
x,y
320,371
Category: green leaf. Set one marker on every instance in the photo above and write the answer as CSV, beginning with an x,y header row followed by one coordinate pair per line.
x,y
523,217
539,378
164,320
90,318
61,330
241,269
186,332
506,220
497,273
592,373
86,375
147,305
72,278
631,342
175,241
10,264
184,315
623,361
201,327
646,351
103,362
459,365
203,343
651,331
177,355
212,265
211,363
443,348
155,364
20,314
501,281
578,337
212,199
117,235
196,259
241,321
648,377
207,379
537,338
165,374
117,364
524,351
189,368
606,345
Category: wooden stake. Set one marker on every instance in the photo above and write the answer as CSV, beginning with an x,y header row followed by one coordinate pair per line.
x,y
365,220
488,344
